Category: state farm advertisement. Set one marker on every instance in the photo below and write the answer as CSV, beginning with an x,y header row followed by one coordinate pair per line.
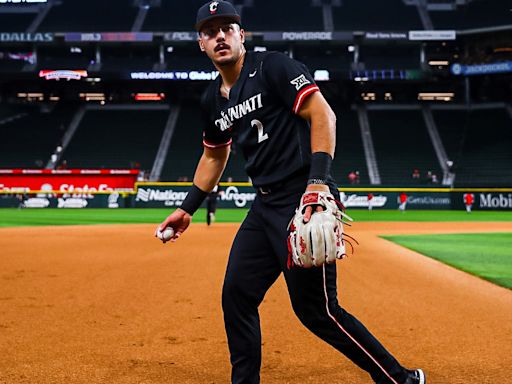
x,y
68,181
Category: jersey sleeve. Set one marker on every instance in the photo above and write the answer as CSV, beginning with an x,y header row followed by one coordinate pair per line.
x,y
290,79
213,135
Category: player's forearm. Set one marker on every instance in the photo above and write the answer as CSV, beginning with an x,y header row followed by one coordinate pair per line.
x,y
210,168
323,132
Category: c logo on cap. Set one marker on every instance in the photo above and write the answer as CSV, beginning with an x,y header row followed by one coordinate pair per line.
x,y
213,7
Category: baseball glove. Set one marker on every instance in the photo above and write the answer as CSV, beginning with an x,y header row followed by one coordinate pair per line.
x,y
320,240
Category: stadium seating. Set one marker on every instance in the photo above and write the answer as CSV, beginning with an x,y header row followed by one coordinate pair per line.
x,y
172,16
297,15
451,125
16,22
90,16
28,141
390,57
186,149
188,58
321,57
349,156
61,58
137,58
186,145
476,14
370,15
116,139
402,144
486,158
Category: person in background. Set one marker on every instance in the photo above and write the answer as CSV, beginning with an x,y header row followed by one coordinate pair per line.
x,y
370,201
211,205
469,199
403,201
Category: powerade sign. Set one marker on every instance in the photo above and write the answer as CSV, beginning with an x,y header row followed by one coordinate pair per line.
x,y
307,36
481,69
157,196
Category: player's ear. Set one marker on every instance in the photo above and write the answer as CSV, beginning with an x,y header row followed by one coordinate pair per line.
x,y
201,44
242,35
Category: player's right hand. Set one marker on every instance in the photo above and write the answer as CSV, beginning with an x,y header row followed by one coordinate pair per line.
x,y
179,221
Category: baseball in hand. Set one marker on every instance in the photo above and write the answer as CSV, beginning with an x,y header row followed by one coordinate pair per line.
x,y
166,234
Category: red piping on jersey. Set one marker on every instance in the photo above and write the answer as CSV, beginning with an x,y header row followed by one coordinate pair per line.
x,y
209,145
302,95
348,334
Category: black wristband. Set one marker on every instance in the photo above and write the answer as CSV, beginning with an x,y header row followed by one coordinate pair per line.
x,y
320,167
194,199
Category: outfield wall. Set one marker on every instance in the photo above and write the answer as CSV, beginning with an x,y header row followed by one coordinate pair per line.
x,y
241,195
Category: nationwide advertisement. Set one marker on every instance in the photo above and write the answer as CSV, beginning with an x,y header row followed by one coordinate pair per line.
x,y
159,196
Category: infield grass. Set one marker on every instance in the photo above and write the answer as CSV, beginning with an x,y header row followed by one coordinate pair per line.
x,y
10,217
486,255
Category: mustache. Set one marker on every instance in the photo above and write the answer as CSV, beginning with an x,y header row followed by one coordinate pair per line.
x,y
220,46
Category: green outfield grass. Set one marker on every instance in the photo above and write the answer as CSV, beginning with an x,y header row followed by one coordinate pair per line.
x,y
28,217
486,255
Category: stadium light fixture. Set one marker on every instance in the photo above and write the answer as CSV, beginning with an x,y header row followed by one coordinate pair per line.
x,y
436,96
438,63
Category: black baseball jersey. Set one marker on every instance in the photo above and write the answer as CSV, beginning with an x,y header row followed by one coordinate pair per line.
x,y
262,116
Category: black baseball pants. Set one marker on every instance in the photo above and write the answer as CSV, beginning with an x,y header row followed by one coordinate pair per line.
x,y
258,256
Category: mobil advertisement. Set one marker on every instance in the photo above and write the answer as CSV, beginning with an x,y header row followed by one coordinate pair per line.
x,y
484,200
67,180
169,195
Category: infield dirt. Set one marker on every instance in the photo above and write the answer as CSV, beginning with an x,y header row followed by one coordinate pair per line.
x,y
111,304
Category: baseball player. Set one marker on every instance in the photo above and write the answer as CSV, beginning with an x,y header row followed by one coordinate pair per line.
x,y
402,198
286,132
370,201
469,199
211,205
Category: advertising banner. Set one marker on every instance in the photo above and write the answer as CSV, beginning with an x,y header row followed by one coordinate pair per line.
x,y
75,200
109,36
390,200
307,36
67,180
481,69
16,37
486,201
160,196
386,36
432,35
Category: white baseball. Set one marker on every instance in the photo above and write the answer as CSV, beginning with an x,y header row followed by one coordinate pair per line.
x,y
166,235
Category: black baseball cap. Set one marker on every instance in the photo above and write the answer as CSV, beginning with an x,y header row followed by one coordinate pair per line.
x,y
214,9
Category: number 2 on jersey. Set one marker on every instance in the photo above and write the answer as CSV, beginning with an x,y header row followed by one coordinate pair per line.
x,y
261,135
